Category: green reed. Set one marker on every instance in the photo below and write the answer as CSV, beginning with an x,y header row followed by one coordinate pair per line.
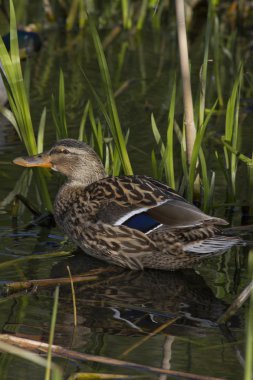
x,y
199,181
59,115
72,14
217,59
17,95
111,116
82,136
126,14
231,136
100,138
203,71
198,164
20,116
166,165
41,131
131,15
51,335
73,296
142,14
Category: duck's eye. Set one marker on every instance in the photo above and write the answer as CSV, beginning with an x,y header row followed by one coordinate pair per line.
x,y
64,151
59,151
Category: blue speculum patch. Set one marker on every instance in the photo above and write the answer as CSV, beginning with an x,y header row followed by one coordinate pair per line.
x,y
142,222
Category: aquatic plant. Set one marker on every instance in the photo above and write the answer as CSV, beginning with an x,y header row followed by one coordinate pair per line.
x,y
190,129
20,116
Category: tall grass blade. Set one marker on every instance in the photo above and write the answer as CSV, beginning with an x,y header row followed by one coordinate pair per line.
x,y
41,131
182,141
157,135
121,59
51,336
142,16
196,150
217,60
209,204
59,115
62,110
114,125
204,179
203,75
154,164
73,296
82,14
231,129
72,14
107,159
11,118
18,101
169,152
158,7
114,153
16,92
127,22
186,81
97,131
236,152
161,147
27,78
116,162
82,135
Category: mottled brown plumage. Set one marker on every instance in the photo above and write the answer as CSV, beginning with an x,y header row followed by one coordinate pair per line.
x,y
131,221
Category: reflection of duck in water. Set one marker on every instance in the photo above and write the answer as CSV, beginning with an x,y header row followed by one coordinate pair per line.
x,y
131,221
125,302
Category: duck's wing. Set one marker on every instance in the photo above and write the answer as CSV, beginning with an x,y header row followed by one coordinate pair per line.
x,y
119,245
144,204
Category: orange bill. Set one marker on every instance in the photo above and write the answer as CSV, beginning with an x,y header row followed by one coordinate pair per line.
x,y
40,160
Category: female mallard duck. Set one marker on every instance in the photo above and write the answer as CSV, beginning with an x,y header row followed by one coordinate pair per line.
x,y
132,221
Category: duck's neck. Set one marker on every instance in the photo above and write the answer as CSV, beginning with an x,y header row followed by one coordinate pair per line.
x,y
70,192
85,179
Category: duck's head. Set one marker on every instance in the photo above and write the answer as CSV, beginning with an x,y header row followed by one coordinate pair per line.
x,y
75,159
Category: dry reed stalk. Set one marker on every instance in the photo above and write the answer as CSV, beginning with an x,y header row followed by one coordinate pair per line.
x,y
186,81
32,345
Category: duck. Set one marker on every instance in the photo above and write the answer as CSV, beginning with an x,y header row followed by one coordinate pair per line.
x,y
133,221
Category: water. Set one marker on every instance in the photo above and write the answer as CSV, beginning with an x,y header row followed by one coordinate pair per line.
x,y
117,308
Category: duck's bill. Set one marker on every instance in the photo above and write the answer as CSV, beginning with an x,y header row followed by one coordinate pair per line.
x,y
41,160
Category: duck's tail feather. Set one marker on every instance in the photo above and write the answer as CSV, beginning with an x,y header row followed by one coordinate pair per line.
x,y
213,245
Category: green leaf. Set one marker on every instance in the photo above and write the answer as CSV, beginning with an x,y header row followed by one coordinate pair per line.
x,y
41,131
195,152
169,151
82,135
114,123
20,116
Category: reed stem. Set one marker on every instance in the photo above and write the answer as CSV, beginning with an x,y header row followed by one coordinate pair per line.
x,y
186,81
